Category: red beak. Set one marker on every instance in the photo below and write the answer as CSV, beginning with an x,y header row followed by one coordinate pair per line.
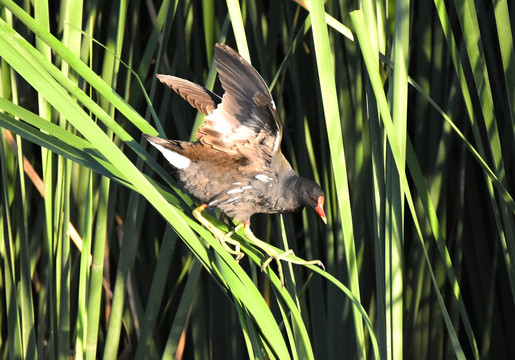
x,y
320,208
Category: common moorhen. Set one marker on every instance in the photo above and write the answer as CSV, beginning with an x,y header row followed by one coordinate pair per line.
x,y
237,164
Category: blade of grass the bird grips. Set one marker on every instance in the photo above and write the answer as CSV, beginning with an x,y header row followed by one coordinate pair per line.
x,y
335,140
238,28
280,292
248,295
182,313
156,292
246,292
359,22
243,289
395,199
301,333
294,325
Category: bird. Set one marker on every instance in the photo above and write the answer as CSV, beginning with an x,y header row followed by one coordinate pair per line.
x,y
236,163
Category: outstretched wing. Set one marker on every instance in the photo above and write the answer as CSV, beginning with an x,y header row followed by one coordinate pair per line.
x,y
246,121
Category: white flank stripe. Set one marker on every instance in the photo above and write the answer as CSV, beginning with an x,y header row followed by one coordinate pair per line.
x,y
177,160
234,191
263,178
246,187
230,200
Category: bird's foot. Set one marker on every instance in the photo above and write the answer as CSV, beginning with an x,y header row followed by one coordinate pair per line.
x,y
223,238
274,254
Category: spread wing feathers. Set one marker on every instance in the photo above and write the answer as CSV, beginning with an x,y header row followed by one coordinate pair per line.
x,y
200,98
246,121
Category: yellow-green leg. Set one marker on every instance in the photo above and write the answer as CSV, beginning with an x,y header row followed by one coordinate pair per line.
x,y
274,254
224,238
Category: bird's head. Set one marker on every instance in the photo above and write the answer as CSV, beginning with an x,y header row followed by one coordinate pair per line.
x,y
312,195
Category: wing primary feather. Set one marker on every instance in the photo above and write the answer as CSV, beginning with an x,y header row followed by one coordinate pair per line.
x,y
199,97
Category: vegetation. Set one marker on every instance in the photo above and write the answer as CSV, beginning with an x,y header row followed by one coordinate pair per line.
x,y
403,111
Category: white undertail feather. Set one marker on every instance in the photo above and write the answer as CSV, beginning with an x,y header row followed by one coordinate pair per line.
x,y
177,160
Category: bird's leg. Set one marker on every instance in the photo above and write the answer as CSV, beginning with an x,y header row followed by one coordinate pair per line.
x,y
222,237
274,254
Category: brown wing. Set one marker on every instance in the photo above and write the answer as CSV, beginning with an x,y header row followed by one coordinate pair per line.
x,y
246,121
200,98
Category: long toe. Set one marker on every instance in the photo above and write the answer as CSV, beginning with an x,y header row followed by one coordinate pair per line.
x,y
223,238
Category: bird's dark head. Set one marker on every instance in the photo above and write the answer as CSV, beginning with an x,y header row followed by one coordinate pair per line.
x,y
310,194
